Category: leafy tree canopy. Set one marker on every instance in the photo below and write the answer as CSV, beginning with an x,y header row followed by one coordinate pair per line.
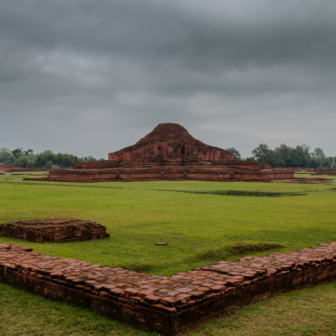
x,y
21,158
235,152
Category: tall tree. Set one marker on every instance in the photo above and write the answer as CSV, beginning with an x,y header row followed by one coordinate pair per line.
x,y
263,153
17,152
318,153
235,152
6,156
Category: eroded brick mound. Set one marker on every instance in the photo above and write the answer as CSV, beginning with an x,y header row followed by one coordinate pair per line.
x,y
6,168
167,304
169,152
173,142
54,229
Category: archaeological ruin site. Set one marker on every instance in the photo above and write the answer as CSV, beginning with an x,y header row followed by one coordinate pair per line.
x,y
167,304
169,152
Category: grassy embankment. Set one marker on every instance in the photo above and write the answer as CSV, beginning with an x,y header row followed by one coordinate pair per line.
x,y
201,225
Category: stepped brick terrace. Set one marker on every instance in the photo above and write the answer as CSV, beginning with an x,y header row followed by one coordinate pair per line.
x,y
164,174
169,152
167,304
9,169
54,229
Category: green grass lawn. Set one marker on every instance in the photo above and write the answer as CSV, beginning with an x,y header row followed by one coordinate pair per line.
x,y
201,225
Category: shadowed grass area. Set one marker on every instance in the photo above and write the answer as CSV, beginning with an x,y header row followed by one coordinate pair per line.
x,y
199,225
238,193
240,248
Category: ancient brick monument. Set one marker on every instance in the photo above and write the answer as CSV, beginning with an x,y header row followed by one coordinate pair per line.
x,y
167,304
54,229
170,143
169,152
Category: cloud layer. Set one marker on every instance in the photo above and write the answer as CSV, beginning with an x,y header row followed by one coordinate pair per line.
x,y
90,77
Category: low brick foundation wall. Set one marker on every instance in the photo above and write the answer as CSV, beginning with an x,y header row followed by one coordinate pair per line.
x,y
54,229
138,174
325,171
167,304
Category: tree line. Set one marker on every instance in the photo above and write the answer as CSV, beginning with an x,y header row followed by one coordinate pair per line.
x,y
281,156
47,159
287,156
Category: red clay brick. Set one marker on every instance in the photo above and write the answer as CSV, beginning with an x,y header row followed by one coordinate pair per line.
x,y
168,304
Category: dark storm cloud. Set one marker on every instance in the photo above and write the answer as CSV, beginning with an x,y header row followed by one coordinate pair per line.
x,y
94,76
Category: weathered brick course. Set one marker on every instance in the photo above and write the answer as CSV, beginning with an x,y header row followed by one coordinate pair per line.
x,y
167,304
165,174
54,229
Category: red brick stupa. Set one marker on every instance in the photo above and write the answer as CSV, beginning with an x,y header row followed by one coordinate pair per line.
x,y
170,143
169,152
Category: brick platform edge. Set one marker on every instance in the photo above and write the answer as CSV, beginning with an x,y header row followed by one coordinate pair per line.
x,y
167,304
163,174
54,229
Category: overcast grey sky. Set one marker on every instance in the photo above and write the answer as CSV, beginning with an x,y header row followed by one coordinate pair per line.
x,y
91,77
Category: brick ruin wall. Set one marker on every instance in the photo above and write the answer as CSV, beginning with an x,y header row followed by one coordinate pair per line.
x,y
94,175
10,169
54,229
171,149
167,304
323,171
171,141
240,164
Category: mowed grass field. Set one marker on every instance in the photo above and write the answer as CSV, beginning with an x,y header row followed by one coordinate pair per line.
x,y
201,224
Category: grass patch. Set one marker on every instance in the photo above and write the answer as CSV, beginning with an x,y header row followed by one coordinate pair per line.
x,y
227,252
237,250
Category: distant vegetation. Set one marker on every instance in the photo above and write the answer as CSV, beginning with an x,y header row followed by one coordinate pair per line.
x,y
46,159
287,156
281,156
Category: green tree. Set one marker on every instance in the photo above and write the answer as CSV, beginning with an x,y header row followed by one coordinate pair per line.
x,y
303,153
6,156
263,153
30,163
28,152
68,160
49,165
17,152
44,157
318,153
235,152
